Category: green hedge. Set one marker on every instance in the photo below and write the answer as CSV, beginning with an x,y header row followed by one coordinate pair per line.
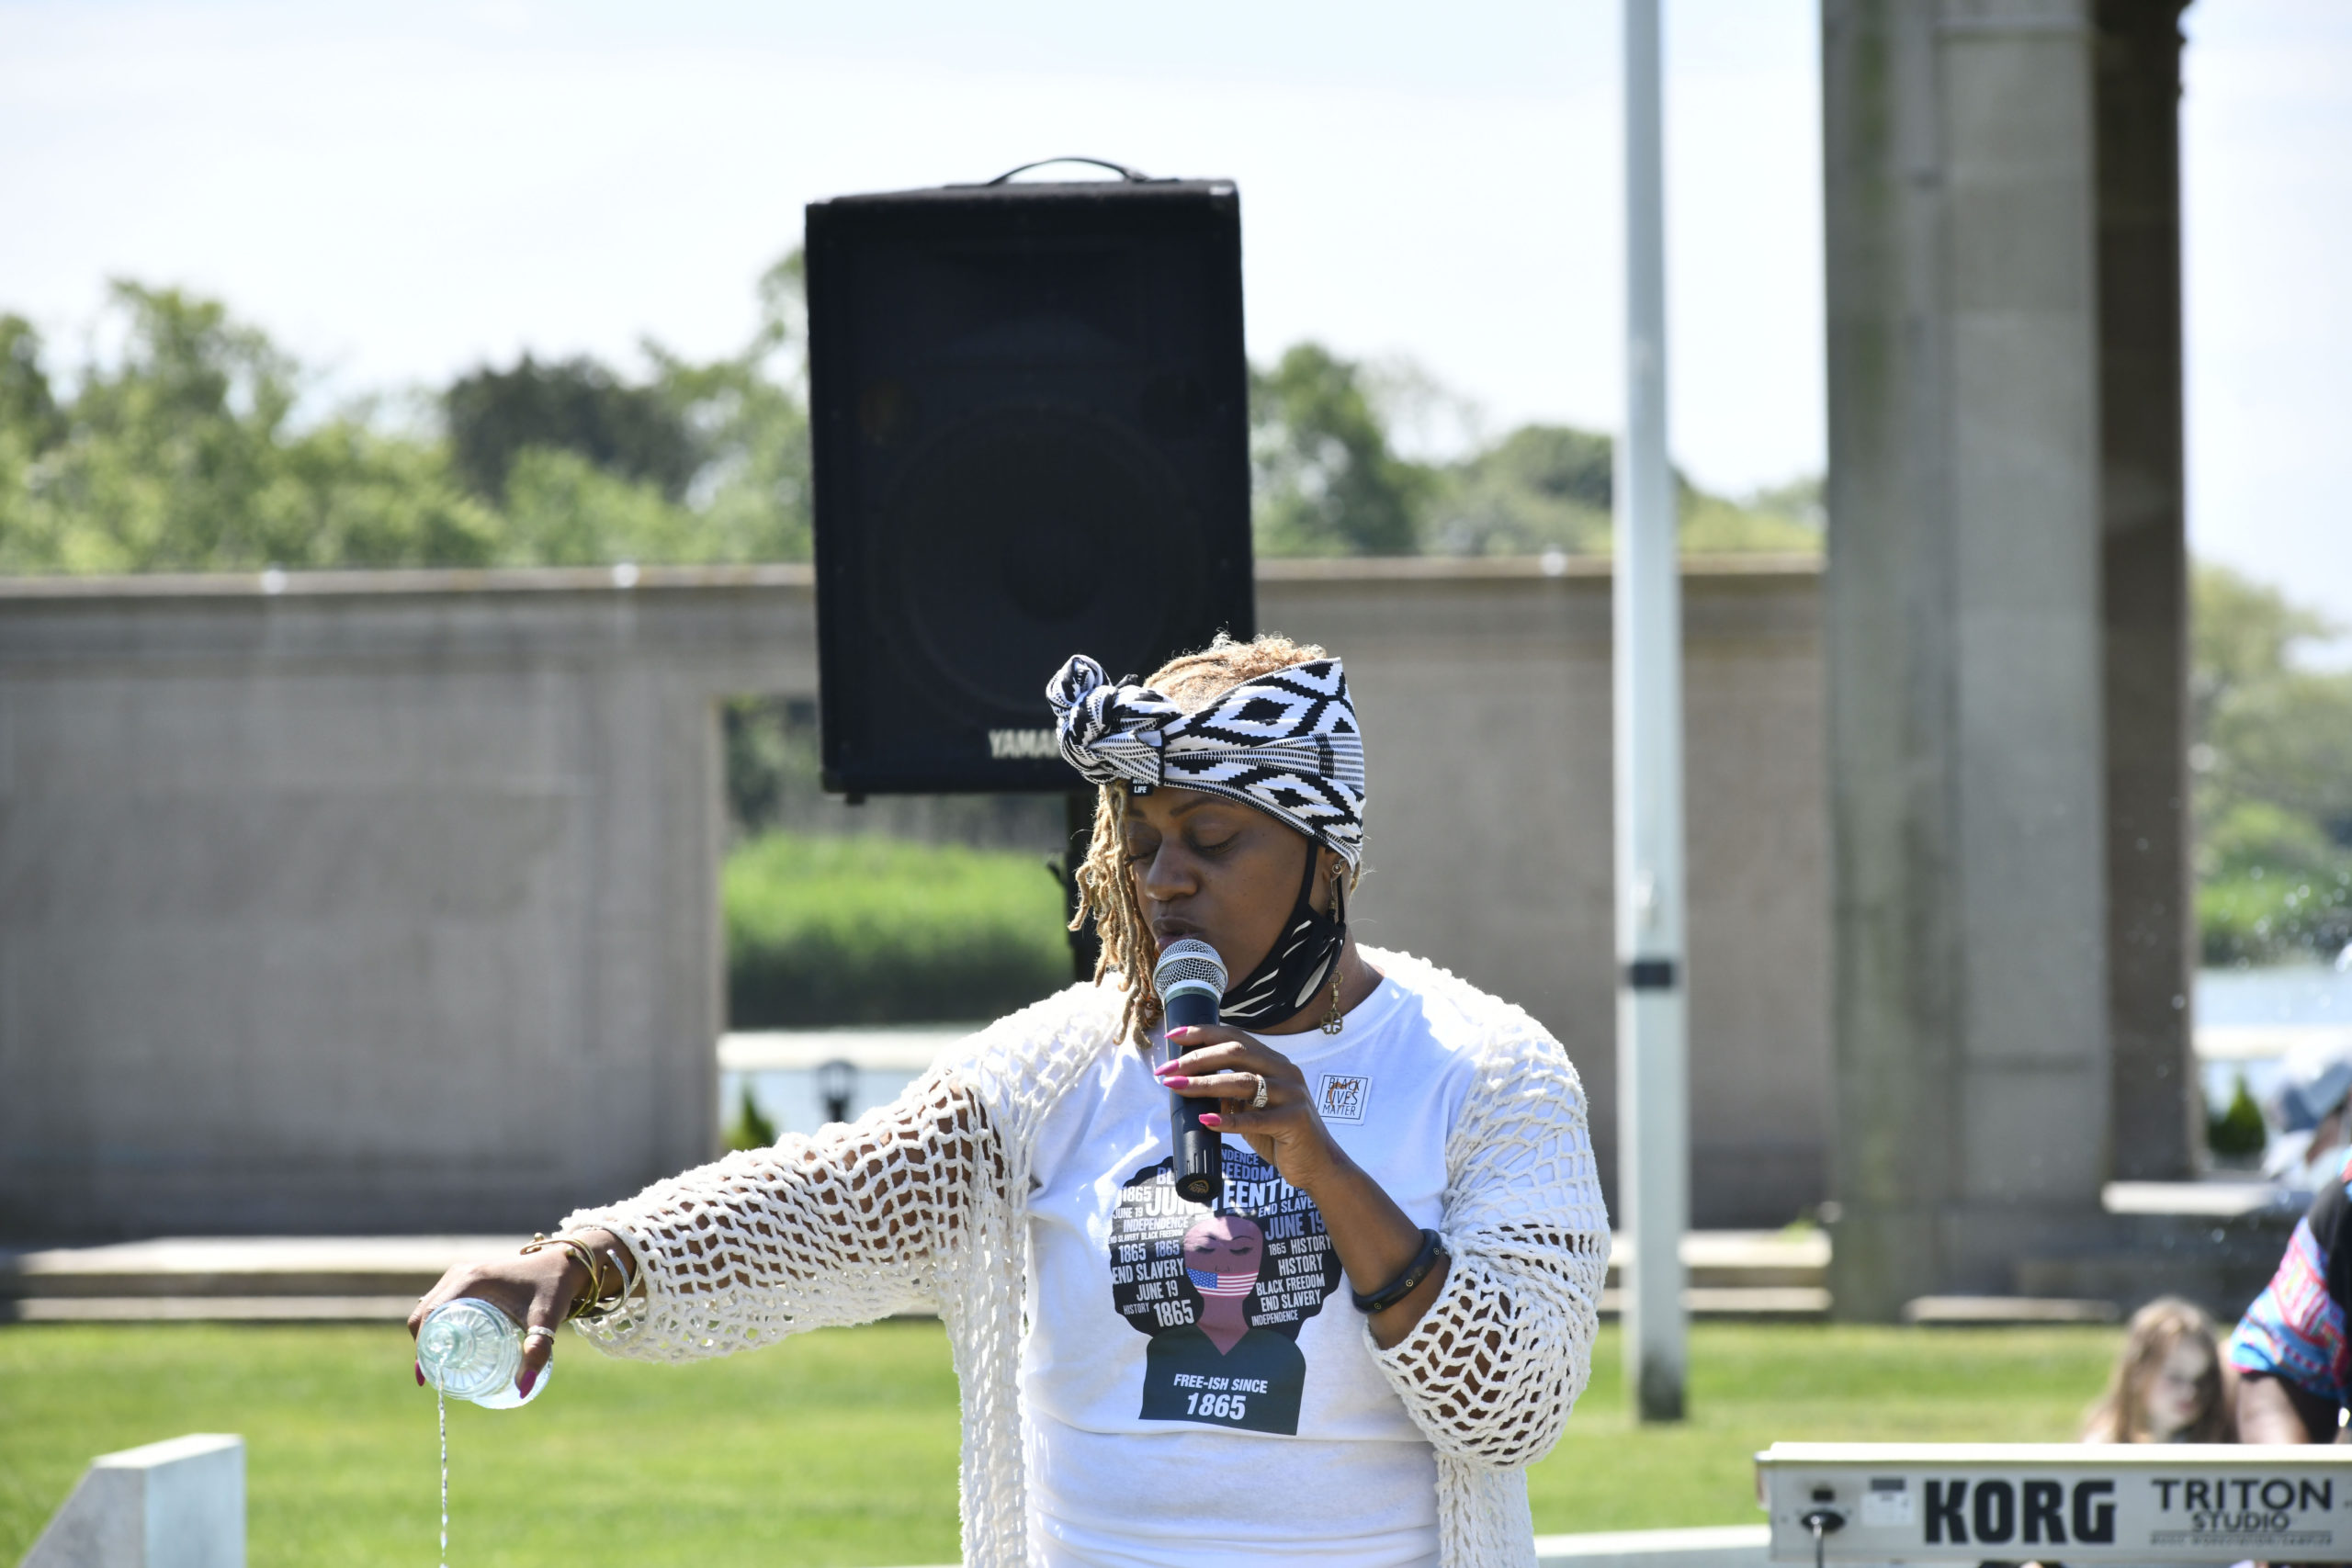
x,y
825,931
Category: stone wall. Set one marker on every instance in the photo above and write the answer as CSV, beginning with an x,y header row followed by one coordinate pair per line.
x,y
1486,695
387,902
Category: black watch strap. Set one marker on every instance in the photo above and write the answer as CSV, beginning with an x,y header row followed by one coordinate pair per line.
x,y
1397,1289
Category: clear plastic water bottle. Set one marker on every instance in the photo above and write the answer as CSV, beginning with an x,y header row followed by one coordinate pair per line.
x,y
469,1349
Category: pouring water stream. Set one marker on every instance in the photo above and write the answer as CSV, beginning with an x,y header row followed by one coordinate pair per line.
x,y
473,1349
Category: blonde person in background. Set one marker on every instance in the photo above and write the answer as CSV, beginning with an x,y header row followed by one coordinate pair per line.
x,y
1351,1363
2170,1385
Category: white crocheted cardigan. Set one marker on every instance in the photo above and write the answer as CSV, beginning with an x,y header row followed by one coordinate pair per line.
x,y
920,1206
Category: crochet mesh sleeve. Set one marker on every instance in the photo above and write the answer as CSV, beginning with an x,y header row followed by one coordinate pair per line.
x,y
912,1208
844,1226
1493,1368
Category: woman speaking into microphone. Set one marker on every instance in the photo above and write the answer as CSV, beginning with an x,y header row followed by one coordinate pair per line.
x,y
1346,1358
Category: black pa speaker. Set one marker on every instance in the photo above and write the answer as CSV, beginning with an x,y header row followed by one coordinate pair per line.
x,y
1030,431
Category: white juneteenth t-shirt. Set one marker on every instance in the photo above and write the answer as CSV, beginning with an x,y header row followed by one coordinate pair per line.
x,y
1197,1391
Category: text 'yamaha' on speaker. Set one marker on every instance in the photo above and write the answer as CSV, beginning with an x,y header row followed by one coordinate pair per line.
x,y
1031,428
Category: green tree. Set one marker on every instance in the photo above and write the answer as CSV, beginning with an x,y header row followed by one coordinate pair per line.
x,y
1549,487
562,510
28,406
1715,525
750,415
1326,481
701,463
572,405
2271,762
1542,487
177,453
2236,1131
750,1129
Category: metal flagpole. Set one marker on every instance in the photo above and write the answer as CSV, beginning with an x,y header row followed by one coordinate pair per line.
x,y
1652,1091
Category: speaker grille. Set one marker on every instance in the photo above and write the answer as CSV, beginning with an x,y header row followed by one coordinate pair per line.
x,y
1021,534
1029,418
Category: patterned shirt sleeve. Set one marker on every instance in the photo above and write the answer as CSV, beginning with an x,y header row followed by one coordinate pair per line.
x,y
2294,1330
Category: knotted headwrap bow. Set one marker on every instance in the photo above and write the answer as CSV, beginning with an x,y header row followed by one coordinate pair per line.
x,y
1285,742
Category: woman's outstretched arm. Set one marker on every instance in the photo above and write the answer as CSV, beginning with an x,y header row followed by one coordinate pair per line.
x,y
840,1227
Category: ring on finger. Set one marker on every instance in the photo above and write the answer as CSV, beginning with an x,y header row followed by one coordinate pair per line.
x,y
537,1333
1258,1100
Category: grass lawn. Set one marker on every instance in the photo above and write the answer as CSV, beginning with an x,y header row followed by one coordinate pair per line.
x,y
1754,1385
840,1447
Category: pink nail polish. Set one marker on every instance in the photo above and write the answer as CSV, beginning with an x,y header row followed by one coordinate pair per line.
x,y
1212,1120
420,1374
1177,1080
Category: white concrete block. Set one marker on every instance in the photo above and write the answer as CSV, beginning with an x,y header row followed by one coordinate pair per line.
x,y
178,1504
1711,1546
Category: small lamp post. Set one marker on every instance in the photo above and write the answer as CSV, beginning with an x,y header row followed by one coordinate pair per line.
x,y
836,1084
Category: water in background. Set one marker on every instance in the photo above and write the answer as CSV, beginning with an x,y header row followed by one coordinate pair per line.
x,y
2284,1003
2308,993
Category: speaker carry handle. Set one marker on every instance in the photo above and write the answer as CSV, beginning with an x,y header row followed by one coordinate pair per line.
x,y
1133,176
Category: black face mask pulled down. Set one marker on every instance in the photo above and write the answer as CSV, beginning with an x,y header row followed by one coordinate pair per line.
x,y
1300,964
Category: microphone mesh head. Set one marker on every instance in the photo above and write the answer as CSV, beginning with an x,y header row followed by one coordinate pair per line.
x,y
1189,964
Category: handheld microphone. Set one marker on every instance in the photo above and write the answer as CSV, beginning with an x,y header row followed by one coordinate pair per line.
x,y
1190,978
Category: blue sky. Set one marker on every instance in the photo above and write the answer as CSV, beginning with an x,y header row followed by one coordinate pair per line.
x,y
399,191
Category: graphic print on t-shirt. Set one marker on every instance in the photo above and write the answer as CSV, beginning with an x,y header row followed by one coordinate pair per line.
x,y
1221,1293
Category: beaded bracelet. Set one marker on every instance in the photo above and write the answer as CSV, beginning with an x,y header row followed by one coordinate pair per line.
x,y
1397,1289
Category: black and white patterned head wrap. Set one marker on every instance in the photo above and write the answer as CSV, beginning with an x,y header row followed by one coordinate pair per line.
x,y
1285,742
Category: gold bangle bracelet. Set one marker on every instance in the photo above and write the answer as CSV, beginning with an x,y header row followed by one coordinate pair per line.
x,y
602,1256
628,1283
578,1249
624,1285
586,1302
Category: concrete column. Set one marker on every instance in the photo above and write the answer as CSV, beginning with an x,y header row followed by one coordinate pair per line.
x,y
2144,591
1970,994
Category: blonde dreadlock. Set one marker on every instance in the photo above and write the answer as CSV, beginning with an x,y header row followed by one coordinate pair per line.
x,y
1106,890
